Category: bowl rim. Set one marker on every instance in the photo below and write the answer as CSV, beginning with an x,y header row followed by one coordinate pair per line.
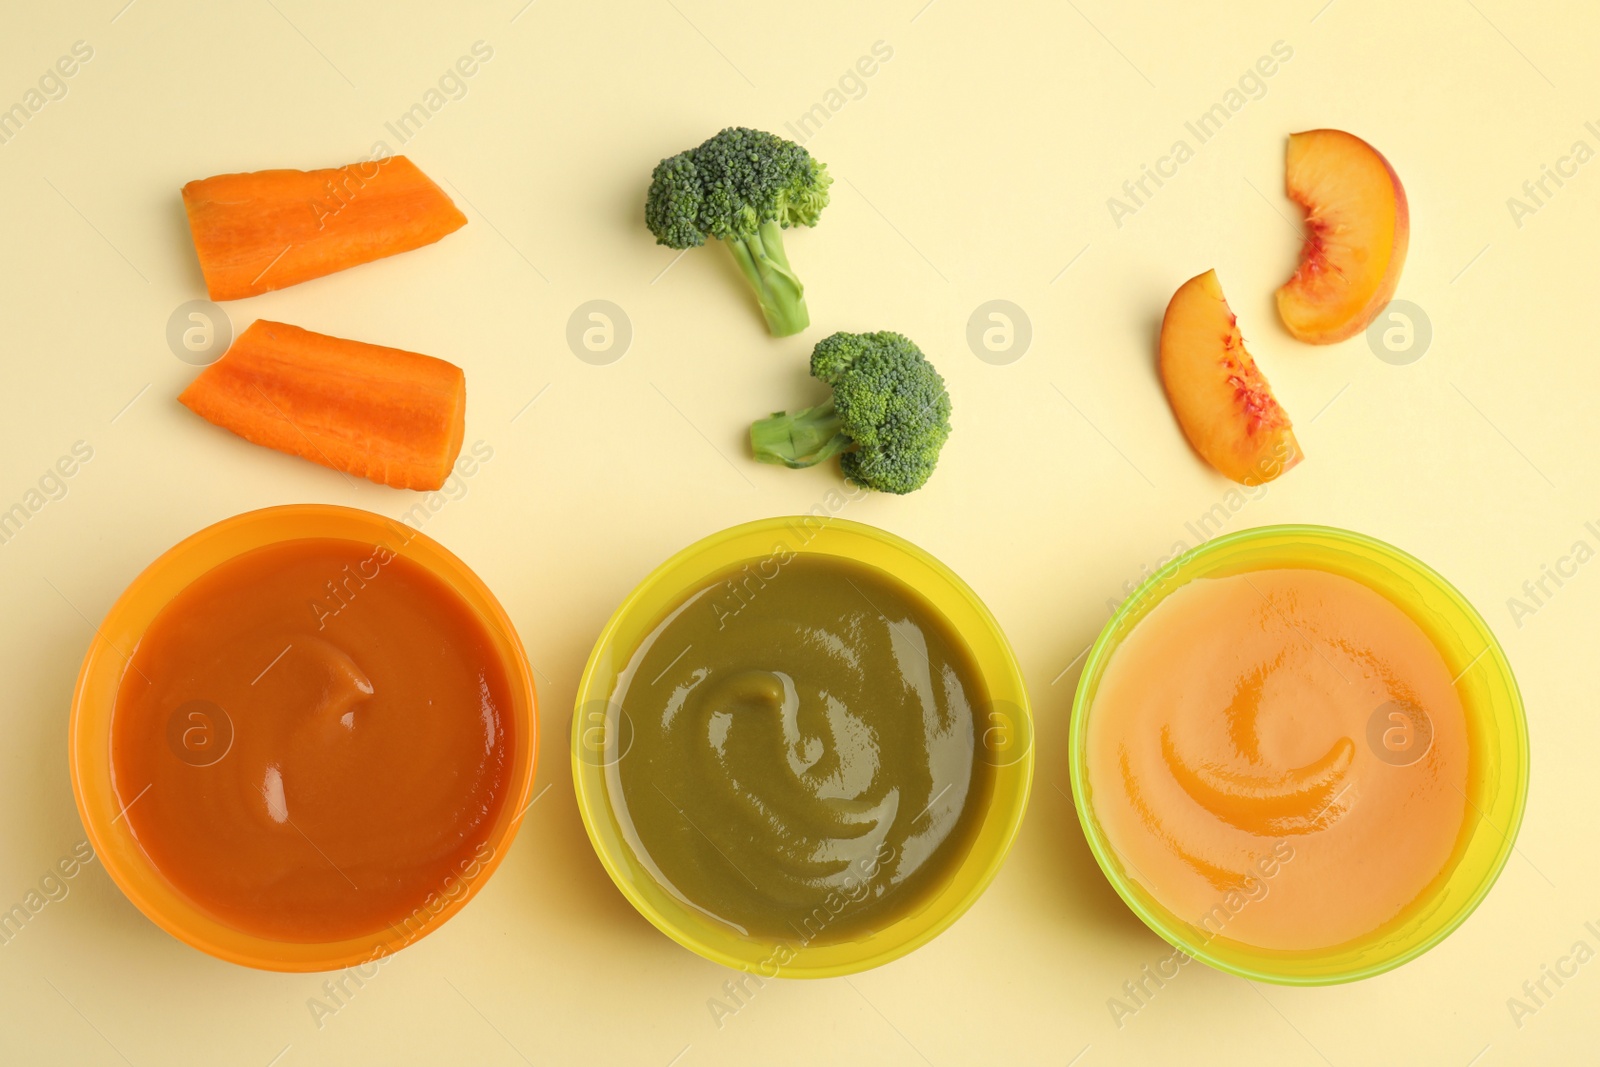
x,y
593,804
1104,646
165,577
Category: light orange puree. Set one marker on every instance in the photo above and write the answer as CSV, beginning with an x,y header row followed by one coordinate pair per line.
x,y
313,741
1259,758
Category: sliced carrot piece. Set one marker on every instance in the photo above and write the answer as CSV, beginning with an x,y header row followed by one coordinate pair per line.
x,y
393,416
274,228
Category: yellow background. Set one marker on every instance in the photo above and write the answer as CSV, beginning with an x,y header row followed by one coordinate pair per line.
x,y
976,166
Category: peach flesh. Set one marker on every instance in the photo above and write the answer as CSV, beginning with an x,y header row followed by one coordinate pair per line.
x,y
1220,397
1357,227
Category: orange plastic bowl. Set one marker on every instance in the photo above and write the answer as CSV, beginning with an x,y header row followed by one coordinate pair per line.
x,y
89,744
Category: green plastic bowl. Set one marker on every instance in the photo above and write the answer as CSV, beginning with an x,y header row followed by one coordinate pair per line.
x,y
599,740
1497,734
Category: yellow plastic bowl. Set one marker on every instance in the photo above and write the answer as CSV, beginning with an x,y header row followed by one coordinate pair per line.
x,y
597,741
89,746
1497,740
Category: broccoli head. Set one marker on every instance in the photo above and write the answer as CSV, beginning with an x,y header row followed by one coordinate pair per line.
x,y
744,188
887,419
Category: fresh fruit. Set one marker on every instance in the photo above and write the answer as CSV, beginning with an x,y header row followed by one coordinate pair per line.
x,y
1221,399
1357,229
274,228
392,416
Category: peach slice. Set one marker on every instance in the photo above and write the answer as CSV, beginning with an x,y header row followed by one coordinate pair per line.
x,y
1357,229
1222,401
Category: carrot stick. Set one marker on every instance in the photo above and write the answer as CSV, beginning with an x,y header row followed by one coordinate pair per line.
x,y
393,416
274,228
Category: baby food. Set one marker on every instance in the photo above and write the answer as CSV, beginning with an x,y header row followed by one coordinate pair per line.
x,y
1280,758
802,759
313,741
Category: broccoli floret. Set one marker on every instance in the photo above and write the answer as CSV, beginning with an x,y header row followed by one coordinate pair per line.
x,y
887,419
743,187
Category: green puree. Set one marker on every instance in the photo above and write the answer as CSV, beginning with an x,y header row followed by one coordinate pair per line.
x,y
804,761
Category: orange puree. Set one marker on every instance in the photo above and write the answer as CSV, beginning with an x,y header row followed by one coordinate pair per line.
x,y
313,738
1279,758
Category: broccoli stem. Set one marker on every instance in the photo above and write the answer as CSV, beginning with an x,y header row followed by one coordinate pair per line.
x,y
802,439
766,266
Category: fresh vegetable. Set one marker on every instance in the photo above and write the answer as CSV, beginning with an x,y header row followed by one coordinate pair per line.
x,y
392,416
274,228
744,188
887,419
